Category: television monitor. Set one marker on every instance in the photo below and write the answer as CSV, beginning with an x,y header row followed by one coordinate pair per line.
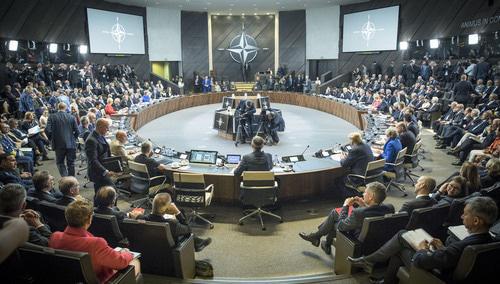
x,y
233,158
203,157
372,30
115,33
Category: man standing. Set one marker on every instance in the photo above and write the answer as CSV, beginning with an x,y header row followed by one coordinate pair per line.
x,y
369,206
63,132
97,150
463,90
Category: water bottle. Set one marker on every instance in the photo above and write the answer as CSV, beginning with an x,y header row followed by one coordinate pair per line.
x,y
275,160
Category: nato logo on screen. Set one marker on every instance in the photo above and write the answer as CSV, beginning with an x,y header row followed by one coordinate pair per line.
x,y
115,33
372,30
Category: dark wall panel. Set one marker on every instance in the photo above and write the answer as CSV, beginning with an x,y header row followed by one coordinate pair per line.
x,y
194,33
292,41
226,28
64,21
420,20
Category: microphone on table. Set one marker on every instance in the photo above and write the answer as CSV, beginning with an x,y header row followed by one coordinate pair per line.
x,y
305,150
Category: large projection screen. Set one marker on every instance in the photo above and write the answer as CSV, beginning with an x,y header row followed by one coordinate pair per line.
x,y
115,33
372,30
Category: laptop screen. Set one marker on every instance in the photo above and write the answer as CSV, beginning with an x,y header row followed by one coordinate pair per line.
x,y
203,157
233,158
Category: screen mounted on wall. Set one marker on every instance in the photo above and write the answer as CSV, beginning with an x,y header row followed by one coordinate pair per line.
x,y
115,33
372,30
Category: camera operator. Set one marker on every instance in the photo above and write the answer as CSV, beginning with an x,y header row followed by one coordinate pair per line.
x,y
246,110
272,121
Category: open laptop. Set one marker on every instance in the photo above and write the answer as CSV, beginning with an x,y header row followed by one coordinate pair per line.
x,y
203,157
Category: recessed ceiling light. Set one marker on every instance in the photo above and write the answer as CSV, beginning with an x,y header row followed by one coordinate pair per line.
x,y
230,14
243,14
268,14
218,14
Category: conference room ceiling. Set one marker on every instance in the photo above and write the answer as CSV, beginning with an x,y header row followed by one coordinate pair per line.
x,y
235,7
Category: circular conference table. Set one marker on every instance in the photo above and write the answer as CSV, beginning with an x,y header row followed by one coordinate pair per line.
x,y
310,178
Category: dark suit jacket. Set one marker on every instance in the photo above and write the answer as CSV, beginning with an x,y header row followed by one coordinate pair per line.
x,y
462,91
63,130
352,224
408,141
96,152
419,202
64,201
446,259
255,161
111,211
178,227
51,196
358,158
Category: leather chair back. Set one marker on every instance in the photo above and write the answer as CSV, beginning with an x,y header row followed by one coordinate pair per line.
x,y
156,244
32,203
48,265
53,215
106,226
431,219
376,231
477,263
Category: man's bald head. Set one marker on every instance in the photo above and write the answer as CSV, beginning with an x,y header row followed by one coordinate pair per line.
x,y
102,126
121,136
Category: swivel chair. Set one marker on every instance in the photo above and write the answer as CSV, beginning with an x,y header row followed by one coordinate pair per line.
x,y
259,189
141,182
374,172
398,172
412,161
192,192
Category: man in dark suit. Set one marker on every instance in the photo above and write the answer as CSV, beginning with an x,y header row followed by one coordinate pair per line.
x,y
462,91
479,214
105,201
356,160
164,211
368,206
483,69
97,150
257,160
407,139
63,131
10,174
70,188
43,184
424,186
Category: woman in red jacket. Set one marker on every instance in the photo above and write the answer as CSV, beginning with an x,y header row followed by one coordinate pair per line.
x,y
109,107
105,260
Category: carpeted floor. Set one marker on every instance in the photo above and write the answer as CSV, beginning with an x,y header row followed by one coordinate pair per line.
x,y
248,252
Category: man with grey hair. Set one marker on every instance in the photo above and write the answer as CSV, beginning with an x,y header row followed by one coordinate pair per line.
x,y
368,206
70,188
479,214
97,151
13,204
154,167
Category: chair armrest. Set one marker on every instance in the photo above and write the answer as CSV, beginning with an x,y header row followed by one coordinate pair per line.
x,y
159,177
184,259
345,246
124,276
391,164
209,188
354,175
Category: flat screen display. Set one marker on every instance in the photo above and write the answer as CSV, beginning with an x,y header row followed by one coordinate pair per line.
x,y
372,30
203,157
115,33
233,159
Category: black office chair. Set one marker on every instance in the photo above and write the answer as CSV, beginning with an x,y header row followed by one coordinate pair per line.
x,y
431,219
398,172
160,254
477,263
375,232
374,172
53,215
259,189
106,226
47,265
142,183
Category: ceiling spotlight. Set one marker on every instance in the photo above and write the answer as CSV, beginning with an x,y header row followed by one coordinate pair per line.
x,y
243,14
255,14
473,39
403,45
53,47
434,43
13,44
83,49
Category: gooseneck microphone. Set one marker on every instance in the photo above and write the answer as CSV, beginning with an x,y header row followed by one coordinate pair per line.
x,y
305,150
